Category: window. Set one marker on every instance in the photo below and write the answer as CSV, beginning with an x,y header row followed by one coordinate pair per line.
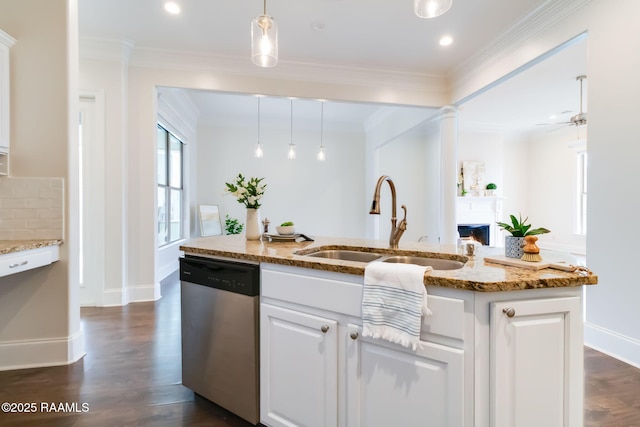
x,y
170,216
581,218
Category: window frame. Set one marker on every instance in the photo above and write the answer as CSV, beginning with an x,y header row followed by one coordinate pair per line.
x,y
168,187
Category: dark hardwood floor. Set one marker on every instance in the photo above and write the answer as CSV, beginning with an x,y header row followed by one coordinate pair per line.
x,y
131,377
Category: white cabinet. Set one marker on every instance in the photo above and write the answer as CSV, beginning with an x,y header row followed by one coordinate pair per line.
x,y
536,360
6,41
17,262
394,386
299,368
318,370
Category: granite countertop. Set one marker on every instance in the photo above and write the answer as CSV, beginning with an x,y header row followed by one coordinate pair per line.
x,y
11,246
476,275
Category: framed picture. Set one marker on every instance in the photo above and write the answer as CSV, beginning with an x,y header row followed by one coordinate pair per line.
x,y
210,224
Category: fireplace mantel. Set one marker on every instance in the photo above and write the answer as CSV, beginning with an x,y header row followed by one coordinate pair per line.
x,y
481,210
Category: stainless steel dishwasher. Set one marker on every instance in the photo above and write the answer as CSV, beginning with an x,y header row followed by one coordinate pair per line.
x,y
220,333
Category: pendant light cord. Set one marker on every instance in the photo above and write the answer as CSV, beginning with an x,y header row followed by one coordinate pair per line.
x,y
321,123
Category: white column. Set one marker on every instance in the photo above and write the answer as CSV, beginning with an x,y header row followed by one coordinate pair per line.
x,y
449,174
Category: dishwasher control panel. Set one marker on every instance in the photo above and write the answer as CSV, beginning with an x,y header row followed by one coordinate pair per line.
x,y
230,276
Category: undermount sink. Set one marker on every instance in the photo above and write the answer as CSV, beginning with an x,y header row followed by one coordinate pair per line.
x,y
365,257
435,263
346,255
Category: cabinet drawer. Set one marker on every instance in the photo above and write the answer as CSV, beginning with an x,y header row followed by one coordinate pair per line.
x,y
318,292
26,260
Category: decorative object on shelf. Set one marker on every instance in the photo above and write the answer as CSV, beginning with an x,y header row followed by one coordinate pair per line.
x,y
232,226
209,220
513,245
473,177
264,40
460,184
249,194
531,250
491,189
431,8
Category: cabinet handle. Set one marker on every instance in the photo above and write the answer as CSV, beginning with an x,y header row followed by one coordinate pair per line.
x,y
19,264
510,312
324,329
354,335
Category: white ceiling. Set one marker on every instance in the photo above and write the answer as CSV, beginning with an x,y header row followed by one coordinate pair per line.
x,y
381,34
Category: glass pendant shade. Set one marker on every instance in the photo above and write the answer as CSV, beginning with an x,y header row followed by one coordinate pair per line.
x,y
264,41
321,156
291,155
259,153
431,8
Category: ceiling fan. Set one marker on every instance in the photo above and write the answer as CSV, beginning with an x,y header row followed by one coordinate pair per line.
x,y
579,119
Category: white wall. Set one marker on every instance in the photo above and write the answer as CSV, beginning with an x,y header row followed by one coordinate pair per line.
x,y
107,75
612,316
413,162
552,189
536,174
321,198
39,309
612,306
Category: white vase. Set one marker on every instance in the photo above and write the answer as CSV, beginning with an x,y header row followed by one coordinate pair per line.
x,y
252,226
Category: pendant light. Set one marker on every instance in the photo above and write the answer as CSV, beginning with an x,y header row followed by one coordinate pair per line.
x,y
291,155
321,155
264,40
431,8
258,152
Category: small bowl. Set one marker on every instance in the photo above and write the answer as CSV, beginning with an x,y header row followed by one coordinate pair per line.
x,y
287,229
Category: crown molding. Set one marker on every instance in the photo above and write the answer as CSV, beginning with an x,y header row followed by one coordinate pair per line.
x,y
436,86
537,21
6,39
116,50
178,111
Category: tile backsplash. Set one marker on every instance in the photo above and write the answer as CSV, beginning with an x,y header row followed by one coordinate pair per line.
x,y
31,208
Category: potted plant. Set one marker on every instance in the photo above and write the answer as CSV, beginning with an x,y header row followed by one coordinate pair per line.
x,y
490,189
518,228
248,192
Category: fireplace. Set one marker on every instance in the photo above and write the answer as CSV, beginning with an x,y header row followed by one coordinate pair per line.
x,y
478,232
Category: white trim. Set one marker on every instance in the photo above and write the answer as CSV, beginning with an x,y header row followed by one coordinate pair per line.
x,y
618,346
42,352
144,293
114,297
537,21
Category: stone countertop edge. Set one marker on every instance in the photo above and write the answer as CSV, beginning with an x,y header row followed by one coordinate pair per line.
x,y
476,275
12,246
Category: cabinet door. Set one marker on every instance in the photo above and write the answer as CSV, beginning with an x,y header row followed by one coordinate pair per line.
x,y
299,368
536,363
389,385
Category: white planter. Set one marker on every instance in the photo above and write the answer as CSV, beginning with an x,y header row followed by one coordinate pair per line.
x,y
252,227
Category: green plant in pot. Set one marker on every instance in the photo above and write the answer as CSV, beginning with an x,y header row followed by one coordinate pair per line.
x,y
491,188
518,228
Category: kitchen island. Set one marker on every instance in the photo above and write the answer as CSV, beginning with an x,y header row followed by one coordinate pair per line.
x,y
503,346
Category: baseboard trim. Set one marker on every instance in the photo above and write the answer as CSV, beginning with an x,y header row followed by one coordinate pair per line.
x,y
114,297
611,343
144,293
41,353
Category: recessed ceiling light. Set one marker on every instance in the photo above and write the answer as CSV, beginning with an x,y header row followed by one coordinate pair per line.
x,y
318,25
553,117
446,41
172,7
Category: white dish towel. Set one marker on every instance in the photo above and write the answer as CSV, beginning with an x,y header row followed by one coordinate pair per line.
x,y
394,299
